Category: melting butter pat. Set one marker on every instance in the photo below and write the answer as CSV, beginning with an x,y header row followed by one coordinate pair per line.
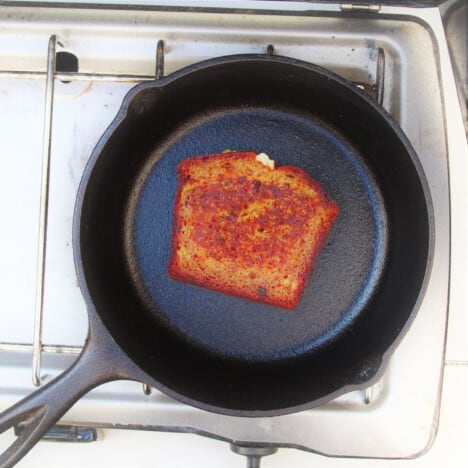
x,y
265,160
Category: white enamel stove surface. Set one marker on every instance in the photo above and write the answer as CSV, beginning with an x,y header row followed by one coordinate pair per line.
x,y
397,418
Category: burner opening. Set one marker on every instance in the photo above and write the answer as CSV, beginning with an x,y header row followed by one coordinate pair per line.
x,y
66,62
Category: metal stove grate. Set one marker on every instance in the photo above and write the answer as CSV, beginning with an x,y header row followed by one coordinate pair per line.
x,y
37,347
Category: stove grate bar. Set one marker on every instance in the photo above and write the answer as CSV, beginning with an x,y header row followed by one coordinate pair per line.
x,y
76,76
43,211
29,347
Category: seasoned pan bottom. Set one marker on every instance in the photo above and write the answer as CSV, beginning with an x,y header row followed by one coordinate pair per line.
x,y
240,328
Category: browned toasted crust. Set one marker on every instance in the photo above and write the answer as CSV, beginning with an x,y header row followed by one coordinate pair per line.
x,y
246,230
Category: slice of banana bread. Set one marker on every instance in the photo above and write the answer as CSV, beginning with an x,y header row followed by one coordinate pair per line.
x,y
246,228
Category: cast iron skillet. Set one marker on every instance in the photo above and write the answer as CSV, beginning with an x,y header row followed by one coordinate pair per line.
x,y
221,353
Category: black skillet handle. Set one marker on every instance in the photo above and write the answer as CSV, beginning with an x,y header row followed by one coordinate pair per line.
x,y
43,408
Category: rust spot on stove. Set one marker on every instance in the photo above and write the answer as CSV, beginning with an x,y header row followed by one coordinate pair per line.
x,y
70,96
87,89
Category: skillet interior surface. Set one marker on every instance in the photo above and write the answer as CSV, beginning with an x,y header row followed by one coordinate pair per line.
x,y
223,352
345,273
